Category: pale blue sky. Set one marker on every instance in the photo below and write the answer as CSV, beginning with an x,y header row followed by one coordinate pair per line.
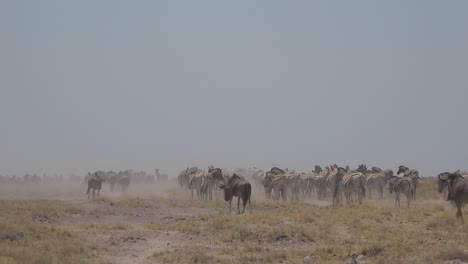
x,y
87,85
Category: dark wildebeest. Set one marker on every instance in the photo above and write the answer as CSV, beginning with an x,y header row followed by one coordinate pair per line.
x,y
237,186
457,190
94,182
443,185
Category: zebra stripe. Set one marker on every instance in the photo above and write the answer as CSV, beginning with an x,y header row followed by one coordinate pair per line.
x,y
377,181
353,184
195,182
401,185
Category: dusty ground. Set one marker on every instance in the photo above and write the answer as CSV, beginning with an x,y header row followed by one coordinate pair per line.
x,y
160,223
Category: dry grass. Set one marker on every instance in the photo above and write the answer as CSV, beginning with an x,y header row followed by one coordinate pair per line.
x,y
27,209
23,242
175,256
28,234
105,227
275,232
385,234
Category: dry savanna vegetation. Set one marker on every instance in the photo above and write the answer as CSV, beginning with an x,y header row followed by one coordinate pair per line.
x,y
160,223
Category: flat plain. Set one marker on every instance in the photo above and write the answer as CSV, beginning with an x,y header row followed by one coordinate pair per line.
x,y
160,223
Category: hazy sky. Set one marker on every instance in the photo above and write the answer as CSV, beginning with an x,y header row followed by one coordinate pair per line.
x,y
87,85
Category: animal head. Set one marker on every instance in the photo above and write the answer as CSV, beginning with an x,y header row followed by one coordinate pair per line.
x,y
443,181
217,173
227,191
318,169
402,169
362,168
388,174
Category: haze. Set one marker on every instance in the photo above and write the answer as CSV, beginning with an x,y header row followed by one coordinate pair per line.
x,y
89,85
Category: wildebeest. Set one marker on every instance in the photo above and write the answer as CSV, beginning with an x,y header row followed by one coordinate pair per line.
x,y
443,185
237,186
457,190
95,183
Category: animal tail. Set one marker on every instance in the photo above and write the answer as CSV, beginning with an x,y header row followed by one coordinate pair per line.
x,y
363,186
89,187
247,194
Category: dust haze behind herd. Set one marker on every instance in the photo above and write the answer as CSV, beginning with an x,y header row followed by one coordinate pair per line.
x,y
105,86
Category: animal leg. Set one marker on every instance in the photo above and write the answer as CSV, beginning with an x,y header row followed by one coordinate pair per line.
x,y
459,212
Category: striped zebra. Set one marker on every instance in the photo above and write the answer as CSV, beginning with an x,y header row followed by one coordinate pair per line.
x,y
354,185
293,185
256,175
412,174
307,184
279,185
95,183
207,187
398,185
267,182
183,179
320,184
334,182
196,181
377,181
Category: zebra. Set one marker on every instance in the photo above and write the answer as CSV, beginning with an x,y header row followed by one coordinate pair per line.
x,y
412,174
210,182
354,183
183,179
398,185
307,184
256,175
320,184
293,184
196,181
279,185
124,180
207,186
267,182
377,181
95,183
335,184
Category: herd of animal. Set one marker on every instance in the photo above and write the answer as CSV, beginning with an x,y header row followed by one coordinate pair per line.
x,y
341,184
122,178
